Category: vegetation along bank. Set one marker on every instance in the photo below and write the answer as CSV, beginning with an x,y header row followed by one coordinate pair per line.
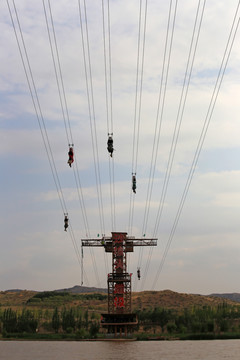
x,y
162,315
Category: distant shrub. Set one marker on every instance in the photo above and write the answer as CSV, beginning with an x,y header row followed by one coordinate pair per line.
x,y
58,297
49,294
82,334
69,330
95,296
34,301
47,326
171,328
94,329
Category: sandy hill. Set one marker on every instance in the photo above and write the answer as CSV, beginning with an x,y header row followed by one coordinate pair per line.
x,y
140,300
173,300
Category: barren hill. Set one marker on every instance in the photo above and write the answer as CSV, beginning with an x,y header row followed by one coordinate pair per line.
x,y
230,296
15,298
173,300
140,300
83,290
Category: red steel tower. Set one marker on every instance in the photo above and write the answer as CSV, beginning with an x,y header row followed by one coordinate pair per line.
x,y
119,319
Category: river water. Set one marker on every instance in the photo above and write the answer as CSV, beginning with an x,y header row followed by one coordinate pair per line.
x,y
120,350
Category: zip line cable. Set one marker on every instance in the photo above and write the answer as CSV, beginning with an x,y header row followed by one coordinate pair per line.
x,y
110,130
131,209
138,103
39,115
140,91
181,108
60,72
77,177
176,130
69,138
158,123
94,123
90,98
45,139
202,137
113,201
37,106
55,71
64,100
161,105
187,77
112,192
110,66
76,173
109,112
138,107
91,109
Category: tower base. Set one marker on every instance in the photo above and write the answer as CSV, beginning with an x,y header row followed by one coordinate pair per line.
x,y
119,324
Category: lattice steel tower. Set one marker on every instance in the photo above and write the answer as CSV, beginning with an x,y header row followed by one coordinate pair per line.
x,y
119,318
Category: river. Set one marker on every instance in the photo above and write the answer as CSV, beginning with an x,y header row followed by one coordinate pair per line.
x,y
124,350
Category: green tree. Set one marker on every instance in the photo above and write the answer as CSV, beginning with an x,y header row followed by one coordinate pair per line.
x,y
160,316
171,328
39,314
86,319
94,329
26,322
210,326
47,314
79,322
68,320
56,320
9,320
224,326
196,326
82,334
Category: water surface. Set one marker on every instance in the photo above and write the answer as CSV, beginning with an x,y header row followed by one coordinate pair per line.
x,y
120,350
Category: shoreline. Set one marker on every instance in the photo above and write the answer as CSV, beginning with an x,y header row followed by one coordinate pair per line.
x,y
67,337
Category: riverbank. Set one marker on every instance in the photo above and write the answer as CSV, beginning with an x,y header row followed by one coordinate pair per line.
x,y
135,337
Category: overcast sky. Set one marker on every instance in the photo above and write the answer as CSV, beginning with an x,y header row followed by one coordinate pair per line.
x,y
171,97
